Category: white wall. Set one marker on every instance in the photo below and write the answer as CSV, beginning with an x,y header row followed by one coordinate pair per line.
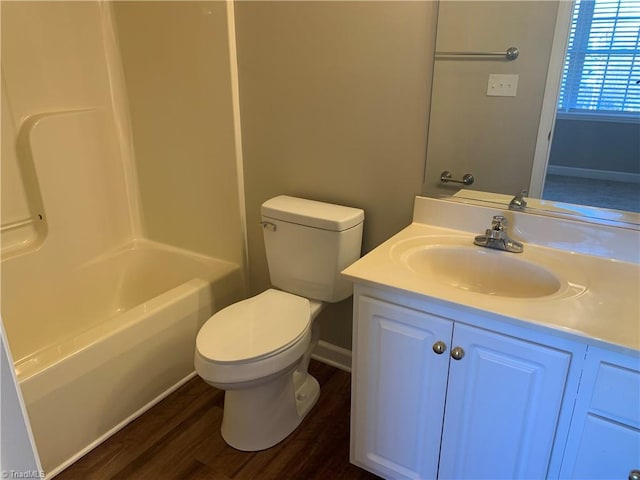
x,y
17,448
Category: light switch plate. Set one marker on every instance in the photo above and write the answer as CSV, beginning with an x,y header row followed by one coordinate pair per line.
x,y
502,85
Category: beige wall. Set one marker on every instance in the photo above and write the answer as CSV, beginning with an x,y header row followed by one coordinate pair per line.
x,y
334,103
493,138
175,57
596,145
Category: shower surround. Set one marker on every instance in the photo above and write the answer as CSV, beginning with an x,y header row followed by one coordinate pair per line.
x,y
121,223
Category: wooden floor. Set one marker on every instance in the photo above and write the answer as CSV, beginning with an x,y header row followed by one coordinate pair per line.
x,y
180,439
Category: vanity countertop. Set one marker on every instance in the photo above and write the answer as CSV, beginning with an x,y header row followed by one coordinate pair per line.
x,y
599,300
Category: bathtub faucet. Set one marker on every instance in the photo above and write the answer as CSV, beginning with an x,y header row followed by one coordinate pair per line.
x,y
496,237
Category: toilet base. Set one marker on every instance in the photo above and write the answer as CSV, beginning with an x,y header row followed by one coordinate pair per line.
x,y
260,417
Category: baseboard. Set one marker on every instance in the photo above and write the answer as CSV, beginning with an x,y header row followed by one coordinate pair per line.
x,y
332,355
594,174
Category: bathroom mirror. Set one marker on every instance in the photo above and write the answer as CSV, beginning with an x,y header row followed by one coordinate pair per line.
x,y
497,119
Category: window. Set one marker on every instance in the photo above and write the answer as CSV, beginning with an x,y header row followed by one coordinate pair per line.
x,y
602,68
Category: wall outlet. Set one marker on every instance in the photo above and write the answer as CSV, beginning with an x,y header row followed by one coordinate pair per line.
x,y
502,85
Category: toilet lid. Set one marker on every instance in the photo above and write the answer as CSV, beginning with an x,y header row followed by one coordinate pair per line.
x,y
254,328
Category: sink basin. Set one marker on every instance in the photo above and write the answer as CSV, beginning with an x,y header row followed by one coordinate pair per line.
x,y
452,263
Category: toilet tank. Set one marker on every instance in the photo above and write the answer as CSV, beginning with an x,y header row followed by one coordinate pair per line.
x,y
308,244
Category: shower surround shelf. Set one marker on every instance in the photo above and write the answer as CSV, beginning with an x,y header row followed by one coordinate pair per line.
x,y
5,227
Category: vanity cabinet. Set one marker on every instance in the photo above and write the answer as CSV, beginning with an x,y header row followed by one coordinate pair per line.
x,y
604,440
399,390
436,397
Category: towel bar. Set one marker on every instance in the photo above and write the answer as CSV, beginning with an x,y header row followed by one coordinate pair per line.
x,y
446,176
511,54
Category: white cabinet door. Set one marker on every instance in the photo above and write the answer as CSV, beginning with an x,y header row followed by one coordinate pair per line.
x,y
503,402
607,450
399,390
604,440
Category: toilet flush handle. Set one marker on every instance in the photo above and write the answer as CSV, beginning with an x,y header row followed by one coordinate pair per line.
x,y
269,226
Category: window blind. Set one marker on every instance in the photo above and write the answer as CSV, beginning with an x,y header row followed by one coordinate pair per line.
x,y
603,58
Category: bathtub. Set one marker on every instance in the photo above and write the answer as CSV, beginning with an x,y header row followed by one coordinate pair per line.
x,y
97,346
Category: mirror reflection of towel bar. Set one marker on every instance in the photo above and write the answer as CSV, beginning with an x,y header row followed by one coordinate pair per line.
x,y
446,177
511,54
21,223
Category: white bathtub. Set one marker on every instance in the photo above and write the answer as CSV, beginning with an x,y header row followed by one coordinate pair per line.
x,y
96,347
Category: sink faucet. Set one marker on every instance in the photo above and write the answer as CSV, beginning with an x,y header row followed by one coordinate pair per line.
x,y
518,202
496,237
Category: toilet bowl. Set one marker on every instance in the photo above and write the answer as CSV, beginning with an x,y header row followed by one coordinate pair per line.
x,y
258,350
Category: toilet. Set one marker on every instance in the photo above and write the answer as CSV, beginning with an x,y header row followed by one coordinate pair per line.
x,y
258,350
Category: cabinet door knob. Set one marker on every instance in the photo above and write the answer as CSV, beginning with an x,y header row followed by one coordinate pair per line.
x,y
634,475
457,353
440,347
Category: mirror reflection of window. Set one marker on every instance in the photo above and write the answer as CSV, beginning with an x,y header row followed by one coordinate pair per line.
x,y
595,153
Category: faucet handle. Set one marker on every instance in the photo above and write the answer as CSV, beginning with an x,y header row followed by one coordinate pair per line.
x,y
499,222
